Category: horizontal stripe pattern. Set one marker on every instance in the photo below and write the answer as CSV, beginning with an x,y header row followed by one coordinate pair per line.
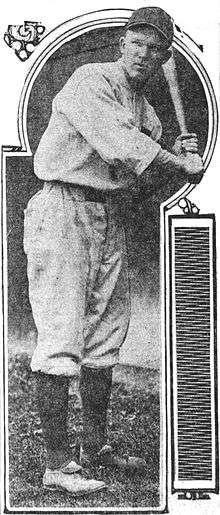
x,y
193,326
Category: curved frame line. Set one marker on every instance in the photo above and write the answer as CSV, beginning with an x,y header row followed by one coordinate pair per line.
x,y
40,57
86,26
213,115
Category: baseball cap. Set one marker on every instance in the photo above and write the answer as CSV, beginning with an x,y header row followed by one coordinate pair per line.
x,y
155,17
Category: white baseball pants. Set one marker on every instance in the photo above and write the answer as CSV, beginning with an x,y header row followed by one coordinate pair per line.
x,y
78,280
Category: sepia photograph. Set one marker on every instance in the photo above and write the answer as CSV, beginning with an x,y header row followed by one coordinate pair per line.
x,y
109,361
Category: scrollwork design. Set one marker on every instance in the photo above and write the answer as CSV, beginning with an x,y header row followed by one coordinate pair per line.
x,y
24,38
188,207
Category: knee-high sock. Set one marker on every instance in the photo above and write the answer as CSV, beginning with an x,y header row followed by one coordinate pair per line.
x,y
52,401
95,390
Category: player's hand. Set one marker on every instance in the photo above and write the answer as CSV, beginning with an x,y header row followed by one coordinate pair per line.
x,y
186,142
193,167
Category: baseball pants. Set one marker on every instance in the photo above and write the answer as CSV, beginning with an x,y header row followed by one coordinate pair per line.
x,y
78,279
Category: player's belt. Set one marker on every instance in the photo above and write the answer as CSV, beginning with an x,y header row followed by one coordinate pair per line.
x,y
84,193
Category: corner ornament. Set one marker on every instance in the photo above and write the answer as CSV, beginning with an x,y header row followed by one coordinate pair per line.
x,y
188,207
24,38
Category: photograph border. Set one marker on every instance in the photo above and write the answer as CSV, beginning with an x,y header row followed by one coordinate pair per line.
x,y
196,220
41,54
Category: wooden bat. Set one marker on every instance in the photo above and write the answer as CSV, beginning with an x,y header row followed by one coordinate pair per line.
x,y
170,73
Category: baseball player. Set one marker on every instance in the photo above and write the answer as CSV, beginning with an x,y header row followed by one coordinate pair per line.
x,y
102,135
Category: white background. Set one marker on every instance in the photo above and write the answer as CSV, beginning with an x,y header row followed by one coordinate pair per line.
x,y
201,20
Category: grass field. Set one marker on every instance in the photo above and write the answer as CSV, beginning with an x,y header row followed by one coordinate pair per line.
x,y
133,425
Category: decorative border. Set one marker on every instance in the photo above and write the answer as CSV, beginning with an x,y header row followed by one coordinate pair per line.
x,y
49,43
194,221
24,38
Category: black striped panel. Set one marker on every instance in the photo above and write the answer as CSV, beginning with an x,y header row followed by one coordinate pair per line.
x,y
192,296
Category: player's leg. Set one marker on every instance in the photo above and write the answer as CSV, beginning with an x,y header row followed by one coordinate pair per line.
x,y
51,394
95,390
57,254
108,306
108,313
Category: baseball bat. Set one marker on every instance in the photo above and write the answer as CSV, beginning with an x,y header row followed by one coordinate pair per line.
x,y
170,73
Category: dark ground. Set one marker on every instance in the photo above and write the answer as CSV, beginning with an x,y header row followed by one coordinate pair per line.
x,y
133,425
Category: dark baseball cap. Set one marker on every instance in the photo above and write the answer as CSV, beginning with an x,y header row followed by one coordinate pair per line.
x,y
155,17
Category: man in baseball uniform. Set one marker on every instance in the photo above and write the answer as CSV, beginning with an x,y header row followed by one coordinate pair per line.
x,y
102,135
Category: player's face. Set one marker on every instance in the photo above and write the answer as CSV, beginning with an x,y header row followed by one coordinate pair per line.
x,y
143,52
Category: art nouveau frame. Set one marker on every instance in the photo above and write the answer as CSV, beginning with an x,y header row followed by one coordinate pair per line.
x,y
49,43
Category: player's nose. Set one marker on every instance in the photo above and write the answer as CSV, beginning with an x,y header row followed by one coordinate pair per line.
x,y
144,52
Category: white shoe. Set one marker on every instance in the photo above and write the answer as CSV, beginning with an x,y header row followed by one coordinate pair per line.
x,y
71,480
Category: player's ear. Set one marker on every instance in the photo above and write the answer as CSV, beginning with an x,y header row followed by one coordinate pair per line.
x,y
122,43
166,56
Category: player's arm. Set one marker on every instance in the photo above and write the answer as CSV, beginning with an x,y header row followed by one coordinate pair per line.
x,y
91,107
190,165
89,103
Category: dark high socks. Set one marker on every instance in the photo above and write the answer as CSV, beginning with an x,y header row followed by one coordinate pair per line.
x,y
52,402
95,390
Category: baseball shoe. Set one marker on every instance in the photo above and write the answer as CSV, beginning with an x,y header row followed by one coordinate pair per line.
x,y
106,457
70,479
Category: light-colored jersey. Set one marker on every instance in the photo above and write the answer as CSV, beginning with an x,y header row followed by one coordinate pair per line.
x,y
94,134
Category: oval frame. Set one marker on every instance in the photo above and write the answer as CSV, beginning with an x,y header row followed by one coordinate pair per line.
x,y
105,18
